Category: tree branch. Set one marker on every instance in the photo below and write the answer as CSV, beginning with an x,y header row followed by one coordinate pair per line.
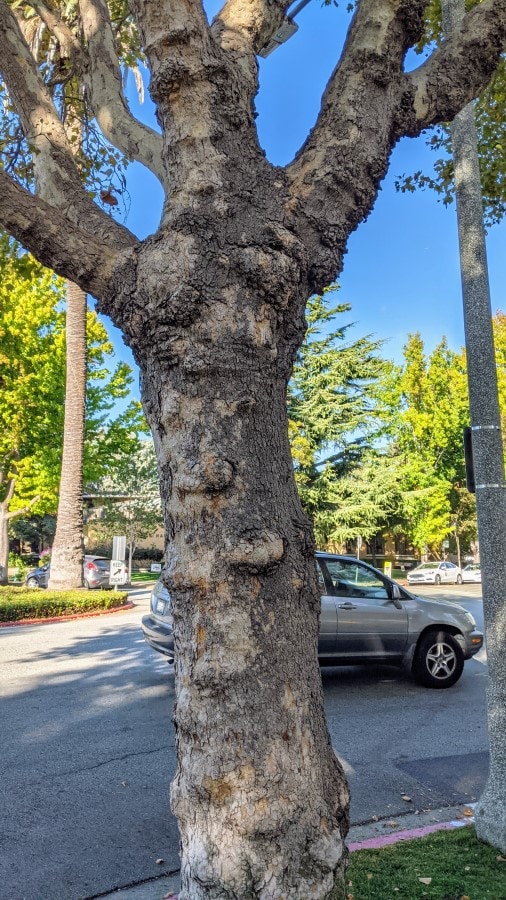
x,y
103,80
334,178
9,493
458,70
245,26
19,512
69,44
56,241
193,88
369,104
176,39
56,174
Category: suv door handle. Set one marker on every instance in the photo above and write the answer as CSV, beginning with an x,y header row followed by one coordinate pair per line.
x,y
347,605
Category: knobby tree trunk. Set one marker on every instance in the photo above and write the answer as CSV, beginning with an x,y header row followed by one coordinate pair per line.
x,y
260,797
259,794
68,549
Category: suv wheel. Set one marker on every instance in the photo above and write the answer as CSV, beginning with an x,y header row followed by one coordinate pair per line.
x,y
87,585
459,579
437,579
439,660
32,582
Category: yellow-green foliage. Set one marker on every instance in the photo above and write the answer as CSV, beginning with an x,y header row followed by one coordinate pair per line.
x,y
21,603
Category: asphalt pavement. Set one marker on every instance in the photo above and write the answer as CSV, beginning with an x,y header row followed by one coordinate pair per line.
x,y
88,755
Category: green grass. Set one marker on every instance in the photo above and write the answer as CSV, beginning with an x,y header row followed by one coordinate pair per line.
x,y
19,603
458,864
144,576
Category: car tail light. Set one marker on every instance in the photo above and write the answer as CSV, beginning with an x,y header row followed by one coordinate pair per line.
x,y
92,566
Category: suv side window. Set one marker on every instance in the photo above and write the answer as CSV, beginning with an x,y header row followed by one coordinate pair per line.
x,y
350,579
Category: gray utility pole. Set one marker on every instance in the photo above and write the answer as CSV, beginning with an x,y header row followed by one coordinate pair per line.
x,y
487,448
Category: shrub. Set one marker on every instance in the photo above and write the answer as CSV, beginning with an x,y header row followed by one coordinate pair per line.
x,y
25,603
16,563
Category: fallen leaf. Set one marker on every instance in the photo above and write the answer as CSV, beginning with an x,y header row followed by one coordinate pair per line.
x,y
425,880
465,897
406,798
392,824
170,895
124,783
500,858
159,861
369,876
468,811
374,818
467,868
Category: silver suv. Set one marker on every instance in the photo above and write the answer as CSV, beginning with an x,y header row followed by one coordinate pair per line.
x,y
366,618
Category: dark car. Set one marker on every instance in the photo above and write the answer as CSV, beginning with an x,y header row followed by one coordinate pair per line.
x,y
366,618
96,571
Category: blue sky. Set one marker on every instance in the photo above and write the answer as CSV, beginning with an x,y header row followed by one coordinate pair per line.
x,y
401,273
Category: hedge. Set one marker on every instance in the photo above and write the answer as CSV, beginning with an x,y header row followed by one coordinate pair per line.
x,y
25,603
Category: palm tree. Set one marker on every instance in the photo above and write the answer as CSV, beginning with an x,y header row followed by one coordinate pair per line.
x,y
68,546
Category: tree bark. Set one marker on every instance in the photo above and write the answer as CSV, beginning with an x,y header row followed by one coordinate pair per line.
x,y
68,547
4,545
259,794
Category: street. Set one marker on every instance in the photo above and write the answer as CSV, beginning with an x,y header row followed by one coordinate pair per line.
x,y
88,750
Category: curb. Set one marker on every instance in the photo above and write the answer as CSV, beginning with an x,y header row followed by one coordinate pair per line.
x,y
439,822
372,836
85,615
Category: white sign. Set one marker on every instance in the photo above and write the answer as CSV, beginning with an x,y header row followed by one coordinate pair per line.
x,y
359,541
118,572
119,547
156,567
446,545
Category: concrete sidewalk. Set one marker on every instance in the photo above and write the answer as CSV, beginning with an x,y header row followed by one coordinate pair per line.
x,y
362,836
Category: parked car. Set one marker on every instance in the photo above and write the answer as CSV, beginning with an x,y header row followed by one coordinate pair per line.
x,y
95,574
435,573
472,573
366,618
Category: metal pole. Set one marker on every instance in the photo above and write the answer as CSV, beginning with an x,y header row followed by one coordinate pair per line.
x,y
487,447
300,6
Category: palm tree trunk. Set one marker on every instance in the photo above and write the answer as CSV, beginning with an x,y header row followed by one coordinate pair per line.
x,y
68,547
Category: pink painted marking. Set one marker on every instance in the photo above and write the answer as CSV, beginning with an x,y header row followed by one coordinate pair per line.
x,y
375,843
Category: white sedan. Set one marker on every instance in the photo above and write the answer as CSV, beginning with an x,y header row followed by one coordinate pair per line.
x,y
435,573
472,573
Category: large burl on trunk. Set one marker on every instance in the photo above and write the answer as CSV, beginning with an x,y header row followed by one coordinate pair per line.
x,y
212,305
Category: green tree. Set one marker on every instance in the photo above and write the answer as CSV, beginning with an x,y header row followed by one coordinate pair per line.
x,y
334,414
365,499
429,409
32,379
128,499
